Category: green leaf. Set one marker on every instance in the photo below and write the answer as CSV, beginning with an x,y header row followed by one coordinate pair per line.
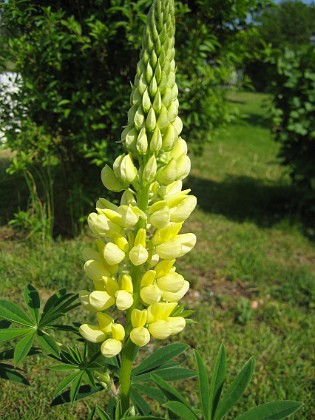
x,y
32,302
271,411
48,343
14,313
217,380
154,393
57,306
169,374
9,373
102,414
159,357
75,386
203,382
66,381
181,410
236,389
168,390
84,391
23,347
142,406
10,333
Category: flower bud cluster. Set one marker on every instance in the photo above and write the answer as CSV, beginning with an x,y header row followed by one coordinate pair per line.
x,y
132,263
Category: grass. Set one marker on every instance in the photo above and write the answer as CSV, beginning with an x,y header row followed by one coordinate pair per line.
x,y
252,274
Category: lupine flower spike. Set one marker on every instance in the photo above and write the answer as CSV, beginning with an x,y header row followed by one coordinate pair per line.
x,y
133,263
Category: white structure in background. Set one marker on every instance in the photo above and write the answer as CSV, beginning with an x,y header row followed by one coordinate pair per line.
x,y
8,84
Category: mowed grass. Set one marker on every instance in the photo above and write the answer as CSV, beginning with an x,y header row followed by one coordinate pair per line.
x,y
252,275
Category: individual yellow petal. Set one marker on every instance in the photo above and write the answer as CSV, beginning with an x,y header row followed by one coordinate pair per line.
x,y
114,217
178,124
151,120
148,278
113,254
84,296
118,332
172,282
110,181
176,296
121,242
138,317
171,189
161,310
124,300
183,166
95,270
150,294
140,336
160,218
111,347
105,322
177,324
183,210
153,258
167,233
140,238
160,329
138,255
164,267
101,300
168,174
92,333
126,283
111,285
176,247
99,224
180,148
128,215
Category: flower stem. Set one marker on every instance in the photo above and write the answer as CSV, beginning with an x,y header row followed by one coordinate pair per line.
x,y
128,354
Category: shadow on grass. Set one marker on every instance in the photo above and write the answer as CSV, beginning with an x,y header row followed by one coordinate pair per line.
x,y
241,198
258,120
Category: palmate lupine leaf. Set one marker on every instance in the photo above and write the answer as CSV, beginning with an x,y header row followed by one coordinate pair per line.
x,y
35,325
217,379
271,411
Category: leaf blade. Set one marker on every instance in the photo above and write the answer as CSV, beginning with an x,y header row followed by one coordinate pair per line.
x,y
10,333
181,410
271,411
12,312
32,301
217,380
203,383
160,357
236,389
23,347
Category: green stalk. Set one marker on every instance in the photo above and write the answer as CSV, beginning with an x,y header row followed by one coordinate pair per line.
x,y
128,355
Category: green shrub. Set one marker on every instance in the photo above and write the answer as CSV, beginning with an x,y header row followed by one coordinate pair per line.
x,y
293,116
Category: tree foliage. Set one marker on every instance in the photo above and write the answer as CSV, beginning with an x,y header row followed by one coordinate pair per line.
x,y
74,61
293,111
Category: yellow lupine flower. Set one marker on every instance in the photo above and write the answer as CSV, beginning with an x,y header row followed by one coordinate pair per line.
x,y
150,294
140,336
133,263
92,333
111,347
124,300
101,300
138,317
118,332
113,254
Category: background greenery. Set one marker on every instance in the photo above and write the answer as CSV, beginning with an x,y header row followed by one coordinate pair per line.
x,y
252,273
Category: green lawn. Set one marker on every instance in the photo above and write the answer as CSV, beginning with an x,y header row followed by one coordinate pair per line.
x,y
252,273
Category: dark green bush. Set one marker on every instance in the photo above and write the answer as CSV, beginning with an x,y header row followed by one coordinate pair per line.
x,y
293,115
